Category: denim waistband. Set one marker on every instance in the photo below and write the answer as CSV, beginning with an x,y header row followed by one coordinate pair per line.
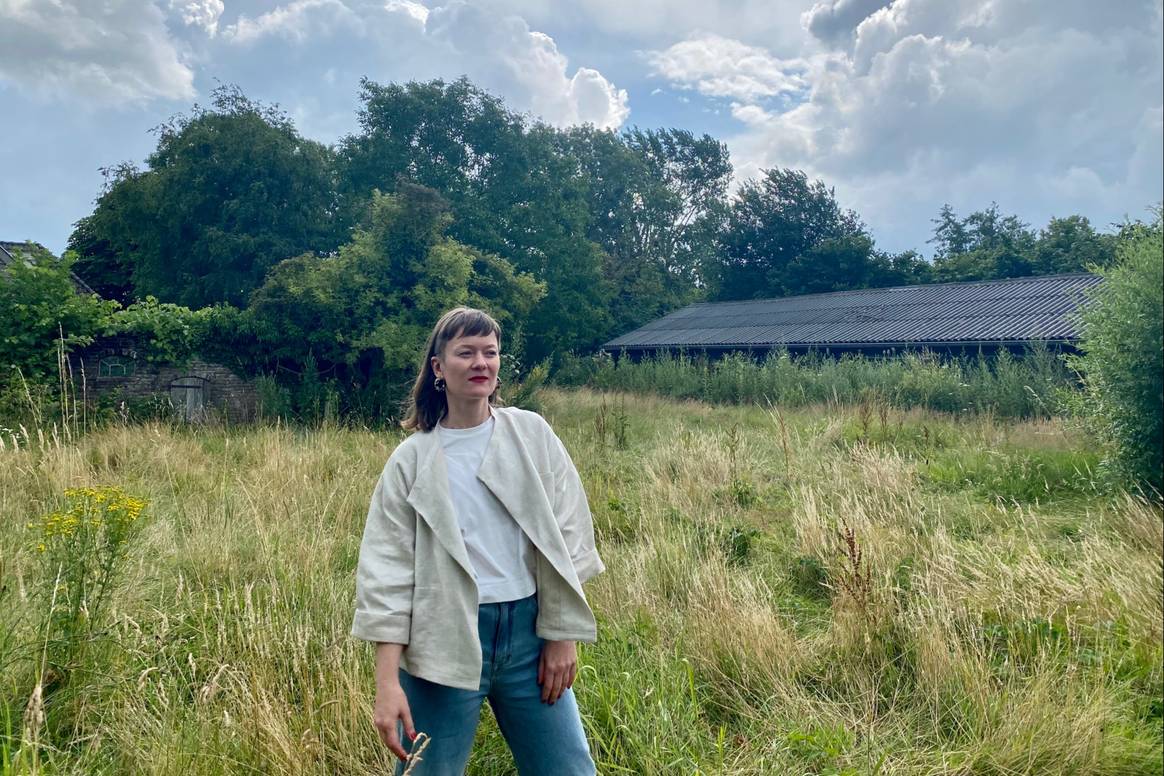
x,y
517,603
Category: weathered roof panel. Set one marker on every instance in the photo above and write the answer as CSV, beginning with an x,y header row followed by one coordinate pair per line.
x,y
1011,310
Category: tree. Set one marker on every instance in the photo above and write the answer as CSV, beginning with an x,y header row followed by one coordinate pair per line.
x,y
983,246
1072,245
781,231
908,268
833,264
452,137
513,188
104,242
950,235
655,206
229,191
361,316
680,220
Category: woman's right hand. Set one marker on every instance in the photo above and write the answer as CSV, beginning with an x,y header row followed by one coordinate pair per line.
x,y
392,705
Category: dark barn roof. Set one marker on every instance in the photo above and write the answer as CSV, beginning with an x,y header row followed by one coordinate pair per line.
x,y
992,312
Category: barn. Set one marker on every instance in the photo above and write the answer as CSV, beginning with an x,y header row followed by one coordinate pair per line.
x,y
943,317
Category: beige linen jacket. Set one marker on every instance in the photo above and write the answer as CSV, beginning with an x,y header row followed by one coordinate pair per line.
x,y
414,583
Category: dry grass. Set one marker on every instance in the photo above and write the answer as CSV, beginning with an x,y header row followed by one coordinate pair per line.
x,y
995,636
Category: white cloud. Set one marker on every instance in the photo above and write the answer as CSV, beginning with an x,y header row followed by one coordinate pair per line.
x,y
112,52
527,67
654,24
836,20
415,10
721,67
199,13
298,21
1048,107
404,40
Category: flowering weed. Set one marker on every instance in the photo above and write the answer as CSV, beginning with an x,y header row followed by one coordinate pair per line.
x,y
82,546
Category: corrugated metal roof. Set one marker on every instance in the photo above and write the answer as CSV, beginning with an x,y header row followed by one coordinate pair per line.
x,y
1011,310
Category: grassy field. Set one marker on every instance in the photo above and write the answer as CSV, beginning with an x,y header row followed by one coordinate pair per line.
x,y
820,590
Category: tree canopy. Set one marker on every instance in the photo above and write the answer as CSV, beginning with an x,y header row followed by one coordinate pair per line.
x,y
229,191
336,258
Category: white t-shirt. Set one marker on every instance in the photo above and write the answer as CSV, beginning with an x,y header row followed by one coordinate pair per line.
x,y
501,554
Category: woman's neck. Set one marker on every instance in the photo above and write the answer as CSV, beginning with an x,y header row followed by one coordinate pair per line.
x,y
466,413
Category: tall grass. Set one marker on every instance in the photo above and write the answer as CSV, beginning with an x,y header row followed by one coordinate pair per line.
x,y
822,591
1002,384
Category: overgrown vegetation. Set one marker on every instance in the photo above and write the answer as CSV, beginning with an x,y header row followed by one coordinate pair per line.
x,y
1001,384
288,240
839,590
1122,362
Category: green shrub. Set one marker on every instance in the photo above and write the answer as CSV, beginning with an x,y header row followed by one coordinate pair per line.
x,y
1122,362
40,311
526,394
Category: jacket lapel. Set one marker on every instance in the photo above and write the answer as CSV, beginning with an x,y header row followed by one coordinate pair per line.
x,y
430,498
509,473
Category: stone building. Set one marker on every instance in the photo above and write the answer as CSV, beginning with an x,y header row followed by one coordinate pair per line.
x,y
116,368
197,392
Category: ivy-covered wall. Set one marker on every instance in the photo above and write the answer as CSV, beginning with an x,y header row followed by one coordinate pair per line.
x,y
117,369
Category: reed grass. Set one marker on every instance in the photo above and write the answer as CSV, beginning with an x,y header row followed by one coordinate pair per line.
x,y
1032,384
1003,617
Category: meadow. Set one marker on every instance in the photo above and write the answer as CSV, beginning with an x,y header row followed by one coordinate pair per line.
x,y
818,589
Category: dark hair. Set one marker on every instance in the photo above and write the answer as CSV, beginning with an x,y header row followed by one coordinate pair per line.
x,y
427,405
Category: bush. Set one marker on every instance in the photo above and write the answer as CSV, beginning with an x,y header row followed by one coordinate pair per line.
x,y
1122,361
40,310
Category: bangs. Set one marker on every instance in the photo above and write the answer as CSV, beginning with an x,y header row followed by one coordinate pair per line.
x,y
465,322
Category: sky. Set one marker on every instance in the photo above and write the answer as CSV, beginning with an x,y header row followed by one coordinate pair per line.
x,y
1047,107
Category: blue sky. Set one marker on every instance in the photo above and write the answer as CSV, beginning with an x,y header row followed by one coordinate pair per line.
x,y
1049,107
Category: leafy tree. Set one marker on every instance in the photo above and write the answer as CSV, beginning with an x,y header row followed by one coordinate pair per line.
x,y
983,246
784,232
169,333
951,237
655,206
452,137
1122,360
41,309
104,241
1071,245
514,190
833,264
542,220
360,317
908,268
680,218
229,191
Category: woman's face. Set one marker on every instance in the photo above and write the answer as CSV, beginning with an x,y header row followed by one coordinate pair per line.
x,y
469,366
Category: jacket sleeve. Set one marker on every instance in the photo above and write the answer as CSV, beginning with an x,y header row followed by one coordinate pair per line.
x,y
384,573
572,511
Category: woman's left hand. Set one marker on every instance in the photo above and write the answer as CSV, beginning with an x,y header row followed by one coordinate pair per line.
x,y
556,669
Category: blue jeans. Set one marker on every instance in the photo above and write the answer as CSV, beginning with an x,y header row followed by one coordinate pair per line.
x,y
544,739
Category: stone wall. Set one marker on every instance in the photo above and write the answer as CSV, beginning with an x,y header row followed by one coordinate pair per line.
x,y
200,391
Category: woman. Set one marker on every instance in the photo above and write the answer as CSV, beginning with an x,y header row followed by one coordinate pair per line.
x,y
469,581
